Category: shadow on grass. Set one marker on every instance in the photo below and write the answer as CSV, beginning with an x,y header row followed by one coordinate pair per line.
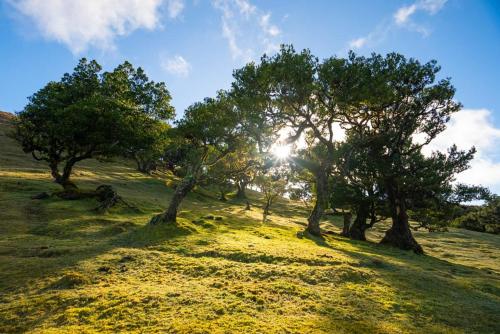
x,y
432,291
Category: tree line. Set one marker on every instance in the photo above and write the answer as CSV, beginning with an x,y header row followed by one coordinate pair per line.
x,y
387,108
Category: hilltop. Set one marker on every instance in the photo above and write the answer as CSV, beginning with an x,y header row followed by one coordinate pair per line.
x,y
65,268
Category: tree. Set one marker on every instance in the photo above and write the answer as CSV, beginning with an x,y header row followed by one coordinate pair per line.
x,y
295,91
149,144
483,219
355,184
71,120
151,102
91,115
402,101
206,134
271,186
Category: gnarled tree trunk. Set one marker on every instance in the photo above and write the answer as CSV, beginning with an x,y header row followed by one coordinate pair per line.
x,y
241,186
170,215
358,228
347,224
63,179
321,203
399,235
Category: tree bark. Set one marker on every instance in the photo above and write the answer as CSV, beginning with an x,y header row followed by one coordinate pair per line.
x,y
170,215
399,235
321,203
347,224
222,196
63,179
241,194
358,228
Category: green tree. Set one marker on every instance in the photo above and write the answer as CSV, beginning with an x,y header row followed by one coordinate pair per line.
x,y
151,102
206,134
355,184
295,91
71,120
402,100
271,185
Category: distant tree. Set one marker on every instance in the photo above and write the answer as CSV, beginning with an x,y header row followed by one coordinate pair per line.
x,y
485,218
149,143
436,209
151,102
271,186
206,134
401,100
71,120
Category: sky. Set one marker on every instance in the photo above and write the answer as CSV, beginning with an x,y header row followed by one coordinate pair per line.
x,y
194,45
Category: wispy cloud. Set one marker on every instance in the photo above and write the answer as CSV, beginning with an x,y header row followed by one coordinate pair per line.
x,y
240,18
176,65
80,24
175,8
402,18
358,43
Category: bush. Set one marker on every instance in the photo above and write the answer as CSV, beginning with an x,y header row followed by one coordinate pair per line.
x,y
484,219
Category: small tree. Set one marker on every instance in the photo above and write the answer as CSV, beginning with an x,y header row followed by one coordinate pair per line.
x,y
206,134
272,187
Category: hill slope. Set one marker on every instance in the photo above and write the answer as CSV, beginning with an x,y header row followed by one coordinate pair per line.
x,y
65,268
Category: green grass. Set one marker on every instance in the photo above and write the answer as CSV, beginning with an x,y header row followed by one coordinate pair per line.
x,y
64,268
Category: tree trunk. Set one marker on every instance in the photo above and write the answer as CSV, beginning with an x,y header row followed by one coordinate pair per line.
x,y
347,224
63,179
222,196
241,194
170,215
321,203
266,210
399,235
358,228
247,207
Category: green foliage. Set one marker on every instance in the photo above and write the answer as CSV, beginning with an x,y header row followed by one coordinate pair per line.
x,y
89,115
485,218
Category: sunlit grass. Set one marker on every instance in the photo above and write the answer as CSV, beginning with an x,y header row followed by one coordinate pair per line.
x,y
66,269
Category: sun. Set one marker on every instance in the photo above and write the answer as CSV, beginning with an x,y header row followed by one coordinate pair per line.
x,y
280,151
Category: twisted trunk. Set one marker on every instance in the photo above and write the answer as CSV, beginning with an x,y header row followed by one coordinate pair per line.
x,y
358,228
241,186
170,215
347,224
399,235
63,179
321,203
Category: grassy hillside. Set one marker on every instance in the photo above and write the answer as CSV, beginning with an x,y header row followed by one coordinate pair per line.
x,y
65,268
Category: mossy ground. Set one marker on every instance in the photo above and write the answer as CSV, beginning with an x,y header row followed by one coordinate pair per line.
x,y
64,268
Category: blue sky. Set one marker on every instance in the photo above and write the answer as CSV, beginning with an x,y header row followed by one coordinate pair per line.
x,y
194,45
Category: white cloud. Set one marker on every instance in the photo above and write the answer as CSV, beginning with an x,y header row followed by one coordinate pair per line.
x,y
403,14
175,7
176,65
473,127
401,19
82,23
357,43
248,31
267,27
